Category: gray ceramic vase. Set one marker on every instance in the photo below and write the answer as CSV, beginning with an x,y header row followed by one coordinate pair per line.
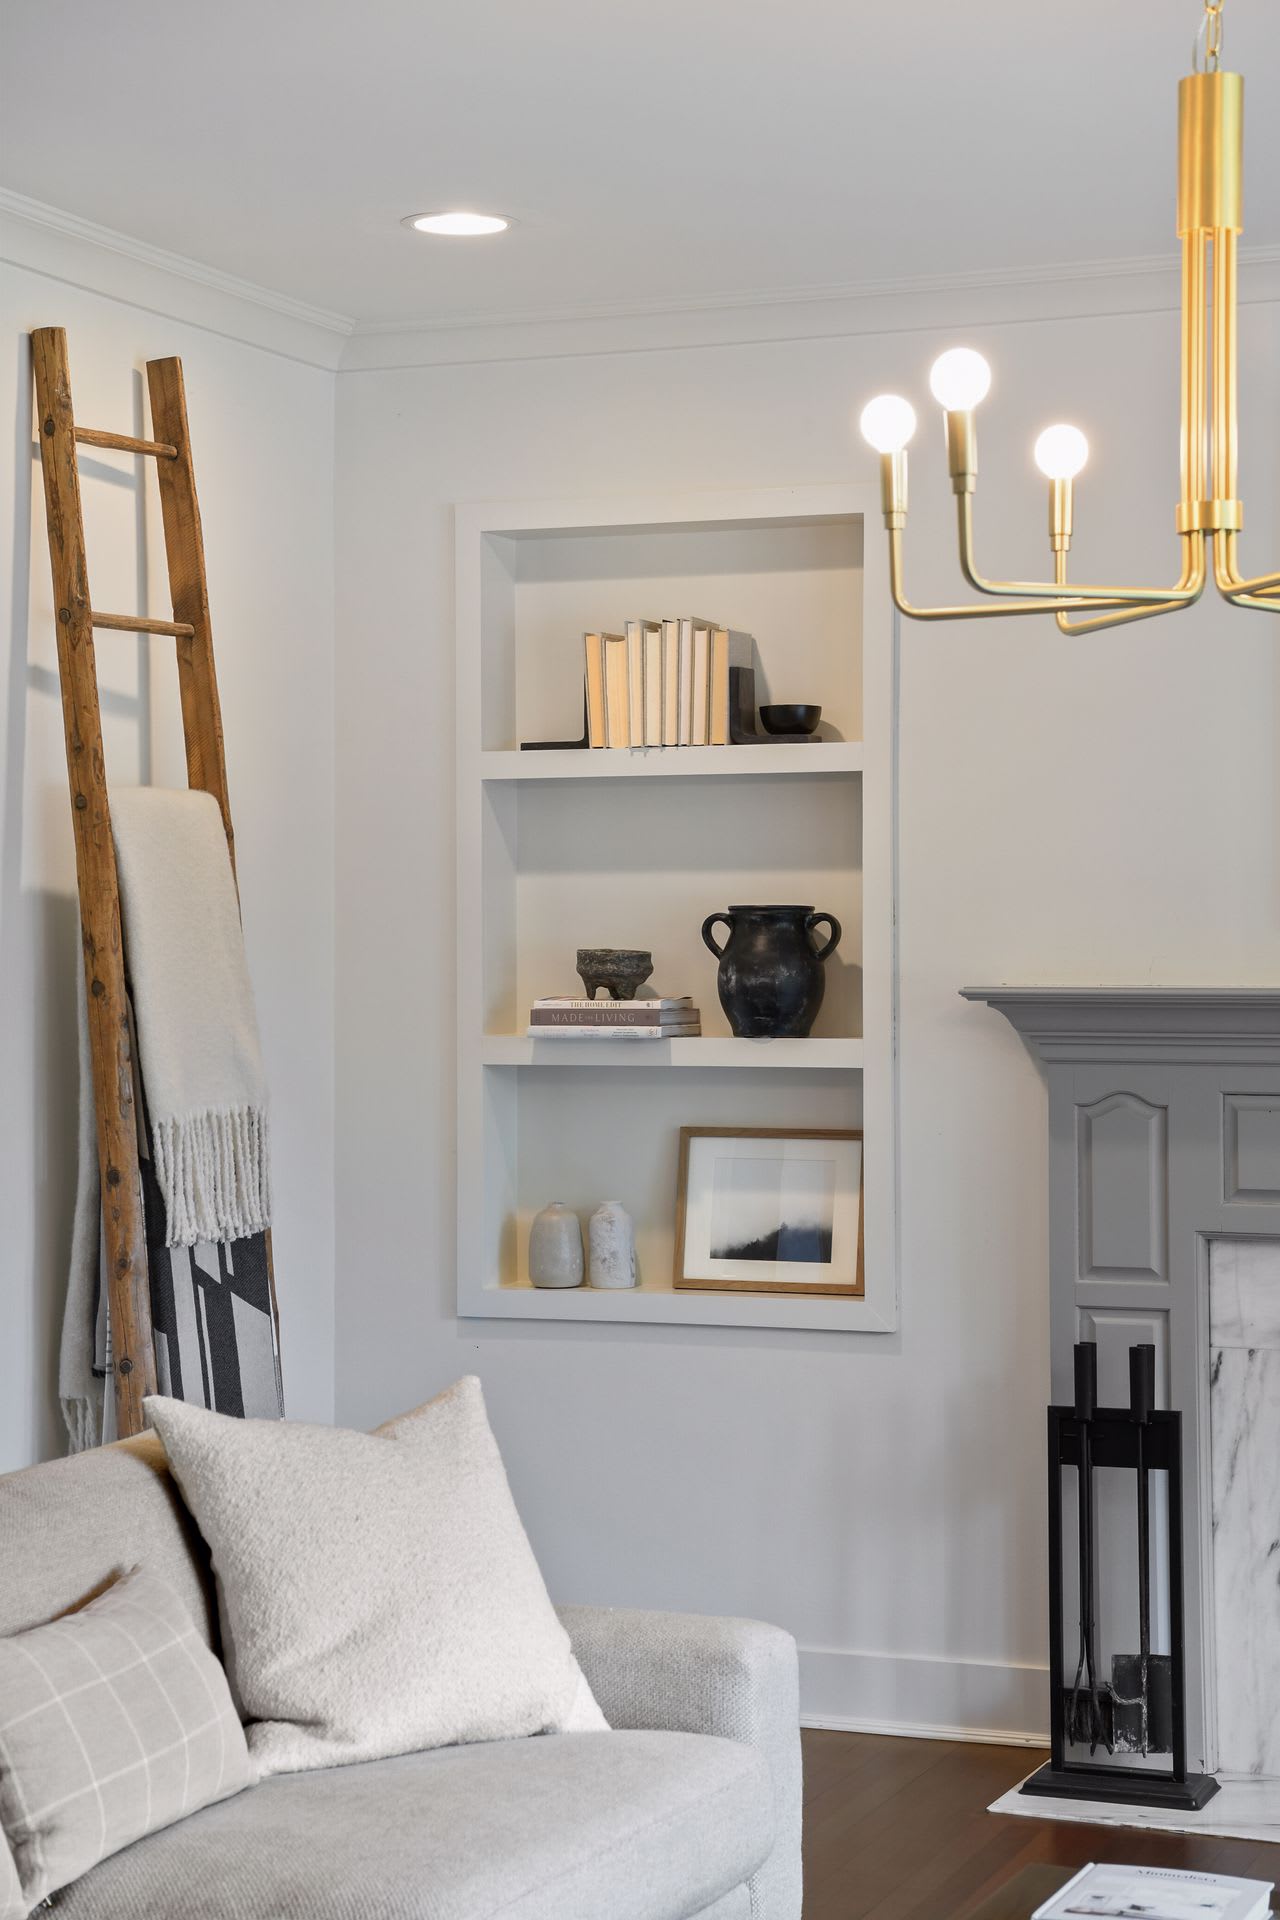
x,y
555,1248
613,1246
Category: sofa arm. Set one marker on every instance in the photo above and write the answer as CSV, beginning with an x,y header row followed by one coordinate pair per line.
x,y
695,1673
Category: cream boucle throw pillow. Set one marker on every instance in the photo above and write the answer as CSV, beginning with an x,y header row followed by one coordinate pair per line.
x,y
115,1720
377,1592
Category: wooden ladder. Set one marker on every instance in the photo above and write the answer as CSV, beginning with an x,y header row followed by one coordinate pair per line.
x,y
128,1278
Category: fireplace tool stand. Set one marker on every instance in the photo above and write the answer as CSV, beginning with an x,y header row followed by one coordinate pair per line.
x,y
1142,1708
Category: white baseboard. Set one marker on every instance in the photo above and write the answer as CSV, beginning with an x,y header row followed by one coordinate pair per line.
x,y
895,1730
923,1697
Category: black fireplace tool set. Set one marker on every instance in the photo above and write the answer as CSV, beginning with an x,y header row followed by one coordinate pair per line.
x,y
1141,1708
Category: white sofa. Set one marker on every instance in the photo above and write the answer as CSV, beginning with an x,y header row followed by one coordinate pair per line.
x,y
690,1808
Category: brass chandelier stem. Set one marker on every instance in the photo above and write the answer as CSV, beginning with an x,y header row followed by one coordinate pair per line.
x,y
1209,512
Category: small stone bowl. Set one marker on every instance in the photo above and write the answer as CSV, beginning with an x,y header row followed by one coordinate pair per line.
x,y
795,722
621,970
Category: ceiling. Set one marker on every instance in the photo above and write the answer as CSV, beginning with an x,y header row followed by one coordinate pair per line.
x,y
658,153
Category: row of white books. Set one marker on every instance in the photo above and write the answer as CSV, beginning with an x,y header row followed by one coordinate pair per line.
x,y
662,683
554,1018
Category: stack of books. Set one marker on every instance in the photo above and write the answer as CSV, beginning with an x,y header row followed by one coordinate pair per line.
x,y
662,683
655,1019
1157,1893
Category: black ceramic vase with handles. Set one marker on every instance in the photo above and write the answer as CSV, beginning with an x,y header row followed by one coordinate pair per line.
x,y
771,979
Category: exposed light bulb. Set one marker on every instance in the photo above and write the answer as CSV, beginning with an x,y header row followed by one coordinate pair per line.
x,y
458,226
888,422
1061,451
959,379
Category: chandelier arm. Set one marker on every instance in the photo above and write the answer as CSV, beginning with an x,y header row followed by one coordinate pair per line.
x,y
1256,600
1068,625
1086,595
1264,586
1194,580
1243,593
977,610
1230,582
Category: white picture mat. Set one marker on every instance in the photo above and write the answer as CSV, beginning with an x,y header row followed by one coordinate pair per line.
x,y
708,1151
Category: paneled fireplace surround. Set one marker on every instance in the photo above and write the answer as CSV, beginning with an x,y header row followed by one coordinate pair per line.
x,y
1164,1226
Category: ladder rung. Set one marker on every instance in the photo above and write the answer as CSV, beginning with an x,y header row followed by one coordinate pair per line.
x,y
134,623
125,443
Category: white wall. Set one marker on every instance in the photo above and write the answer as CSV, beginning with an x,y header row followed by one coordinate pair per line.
x,y
1078,810
262,428
1072,809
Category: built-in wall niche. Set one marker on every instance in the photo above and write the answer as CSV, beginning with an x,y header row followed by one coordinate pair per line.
x,y
579,847
554,1133
795,584
626,864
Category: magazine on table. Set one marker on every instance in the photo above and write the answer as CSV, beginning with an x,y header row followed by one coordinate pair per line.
x,y
1157,1893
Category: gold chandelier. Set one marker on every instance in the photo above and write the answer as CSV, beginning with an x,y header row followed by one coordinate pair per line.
x,y
1210,192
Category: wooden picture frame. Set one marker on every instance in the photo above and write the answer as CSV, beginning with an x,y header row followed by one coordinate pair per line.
x,y
728,1197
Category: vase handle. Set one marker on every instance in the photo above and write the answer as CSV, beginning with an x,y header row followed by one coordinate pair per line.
x,y
711,920
813,920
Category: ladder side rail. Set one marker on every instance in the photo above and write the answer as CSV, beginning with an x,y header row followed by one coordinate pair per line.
x,y
188,589
128,1281
184,550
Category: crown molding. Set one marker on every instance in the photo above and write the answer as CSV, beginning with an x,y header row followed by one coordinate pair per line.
x,y
1051,273
62,246
1086,290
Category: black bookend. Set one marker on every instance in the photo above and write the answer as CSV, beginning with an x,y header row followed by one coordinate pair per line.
x,y
742,709
558,746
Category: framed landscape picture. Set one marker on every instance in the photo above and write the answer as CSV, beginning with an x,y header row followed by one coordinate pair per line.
x,y
769,1210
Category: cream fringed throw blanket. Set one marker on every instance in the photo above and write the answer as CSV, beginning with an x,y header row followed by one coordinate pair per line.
x,y
197,1033
198,1081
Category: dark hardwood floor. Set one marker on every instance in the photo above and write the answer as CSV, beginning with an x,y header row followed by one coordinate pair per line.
x,y
898,1830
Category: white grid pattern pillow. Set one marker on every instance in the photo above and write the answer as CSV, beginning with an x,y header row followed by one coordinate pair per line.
x,y
114,1721
12,1904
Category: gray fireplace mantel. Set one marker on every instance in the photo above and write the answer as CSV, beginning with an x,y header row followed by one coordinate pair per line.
x,y
1192,1024
1164,1143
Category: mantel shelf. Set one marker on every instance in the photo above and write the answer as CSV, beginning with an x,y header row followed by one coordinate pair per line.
x,y
649,763
1206,1023
712,1050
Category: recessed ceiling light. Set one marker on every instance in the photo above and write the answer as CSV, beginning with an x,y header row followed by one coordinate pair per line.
x,y
459,226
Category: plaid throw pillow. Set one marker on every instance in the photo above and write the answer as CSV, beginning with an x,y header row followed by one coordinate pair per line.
x,y
114,1721
12,1904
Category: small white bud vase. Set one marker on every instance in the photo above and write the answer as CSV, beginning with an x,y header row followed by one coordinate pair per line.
x,y
555,1248
613,1246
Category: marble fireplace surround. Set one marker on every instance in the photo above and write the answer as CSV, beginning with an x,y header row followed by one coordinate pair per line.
x,y
1164,1226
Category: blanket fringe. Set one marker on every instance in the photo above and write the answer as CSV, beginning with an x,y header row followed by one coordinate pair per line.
x,y
213,1171
84,1424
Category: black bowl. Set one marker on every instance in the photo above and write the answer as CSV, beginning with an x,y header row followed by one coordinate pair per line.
x,y
791,721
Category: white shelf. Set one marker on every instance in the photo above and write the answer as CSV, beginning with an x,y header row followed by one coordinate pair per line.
x,y
663,1306
647,763
544,865
712,1050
